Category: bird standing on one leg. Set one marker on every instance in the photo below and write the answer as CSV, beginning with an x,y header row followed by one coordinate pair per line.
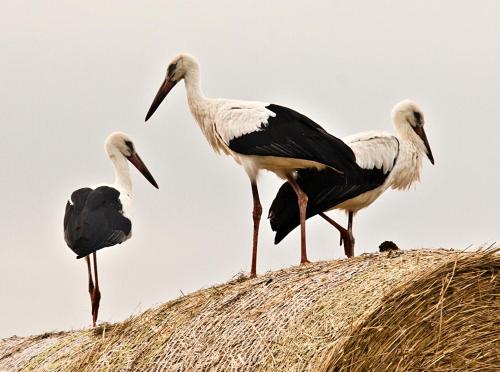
x,y
259,136
385,161
96,216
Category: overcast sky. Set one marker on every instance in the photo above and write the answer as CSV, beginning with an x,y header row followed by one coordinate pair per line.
x,y
71,74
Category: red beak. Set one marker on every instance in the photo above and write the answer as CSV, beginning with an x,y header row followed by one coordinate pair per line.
x,y
421,133
139,164
166,87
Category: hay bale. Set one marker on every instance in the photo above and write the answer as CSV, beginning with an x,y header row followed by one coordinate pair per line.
x,y
401,310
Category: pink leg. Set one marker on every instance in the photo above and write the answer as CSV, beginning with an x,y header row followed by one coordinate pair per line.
x,y
257,212
96,296
349,228
91,283
302,201
345,235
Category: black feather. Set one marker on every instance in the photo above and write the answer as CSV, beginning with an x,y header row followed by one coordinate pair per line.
x,y
325,189
95,220
293,135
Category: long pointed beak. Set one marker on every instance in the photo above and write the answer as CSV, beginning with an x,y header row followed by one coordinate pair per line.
x,y
139,164
166,87
421,133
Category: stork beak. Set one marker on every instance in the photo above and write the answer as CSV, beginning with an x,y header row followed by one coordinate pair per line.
x,y
421,133
166,87
139,164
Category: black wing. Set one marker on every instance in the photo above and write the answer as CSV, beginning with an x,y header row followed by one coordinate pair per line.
x,y
325,189
293,135
94,220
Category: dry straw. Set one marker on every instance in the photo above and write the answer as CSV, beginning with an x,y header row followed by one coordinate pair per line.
x,y
415,310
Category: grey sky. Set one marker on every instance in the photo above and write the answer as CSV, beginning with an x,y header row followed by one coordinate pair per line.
x,y
71,74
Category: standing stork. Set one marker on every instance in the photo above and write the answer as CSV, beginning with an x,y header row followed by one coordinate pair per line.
x,y
258,136
96,216
385,161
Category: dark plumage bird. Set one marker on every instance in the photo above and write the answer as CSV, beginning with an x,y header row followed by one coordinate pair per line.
x,y
96,216
388,246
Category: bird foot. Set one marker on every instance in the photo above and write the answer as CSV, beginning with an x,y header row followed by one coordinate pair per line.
x,y
348,240
304,261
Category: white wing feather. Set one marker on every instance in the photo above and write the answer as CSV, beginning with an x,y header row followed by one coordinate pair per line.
x,y
236,118
374,149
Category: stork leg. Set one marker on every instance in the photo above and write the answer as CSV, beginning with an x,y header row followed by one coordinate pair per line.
x,y
257,212
345,235
302,201
91,283
96,295
349,228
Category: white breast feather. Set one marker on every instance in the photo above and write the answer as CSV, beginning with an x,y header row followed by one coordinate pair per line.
x,y
237,118
374,150
408,167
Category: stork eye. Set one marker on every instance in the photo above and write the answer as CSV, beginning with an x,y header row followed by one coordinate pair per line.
x,y
171,69
418,117
130,146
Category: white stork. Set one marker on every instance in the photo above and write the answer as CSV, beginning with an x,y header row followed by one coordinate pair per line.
x,y
258,136
96,216
386,161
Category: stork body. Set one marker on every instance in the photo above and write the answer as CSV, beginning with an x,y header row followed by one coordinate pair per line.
x,y
259,136
96,216
385,161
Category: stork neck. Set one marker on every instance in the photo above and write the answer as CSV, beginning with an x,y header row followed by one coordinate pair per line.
x,y
193,87
405,133
122,172
409,161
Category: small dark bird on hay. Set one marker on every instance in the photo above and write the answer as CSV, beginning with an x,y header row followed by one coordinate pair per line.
x,y
387,246
385,161
96,216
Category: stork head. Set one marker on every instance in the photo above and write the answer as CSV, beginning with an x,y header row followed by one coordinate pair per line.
x,y
409,121
120,144
181,67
